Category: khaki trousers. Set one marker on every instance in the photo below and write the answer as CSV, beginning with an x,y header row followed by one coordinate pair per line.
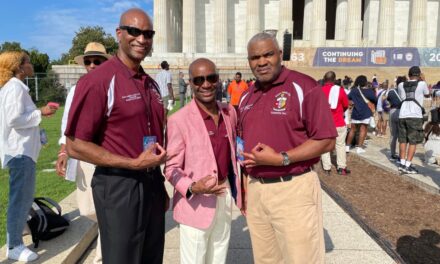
x,y
341,155
84,198
285,220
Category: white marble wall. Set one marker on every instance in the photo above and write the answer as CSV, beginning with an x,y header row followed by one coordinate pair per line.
x,y
401,23
271,21
433,25
371,20
238,36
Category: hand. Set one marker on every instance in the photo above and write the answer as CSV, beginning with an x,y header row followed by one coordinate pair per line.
x,y
262,154
149,158
61,165
48,110
208,185
243,208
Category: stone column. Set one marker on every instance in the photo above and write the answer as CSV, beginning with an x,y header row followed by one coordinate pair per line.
x,y
341,19
252,18
220,26
385,37
189,26
160,26
308,7
353,34
418,22
285,20
319,24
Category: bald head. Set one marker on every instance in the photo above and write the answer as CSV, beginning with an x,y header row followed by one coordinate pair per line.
x,y
330,76
134,15
201,63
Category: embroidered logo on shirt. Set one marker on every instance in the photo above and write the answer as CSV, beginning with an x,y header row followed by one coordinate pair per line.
x,y
132,97
280,102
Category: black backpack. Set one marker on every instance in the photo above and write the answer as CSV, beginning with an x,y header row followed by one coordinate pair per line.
x,y
43,222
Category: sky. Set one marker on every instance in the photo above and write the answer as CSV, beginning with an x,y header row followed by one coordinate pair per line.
x,y
50,25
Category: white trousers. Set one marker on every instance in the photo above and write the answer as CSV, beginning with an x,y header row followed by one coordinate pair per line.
x,y
208,246
341,156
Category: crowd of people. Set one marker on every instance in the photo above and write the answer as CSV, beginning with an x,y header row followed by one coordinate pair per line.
x,y
256,150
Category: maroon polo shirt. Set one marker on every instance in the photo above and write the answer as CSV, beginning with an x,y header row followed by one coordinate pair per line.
x,y
219,142
112,107
272,117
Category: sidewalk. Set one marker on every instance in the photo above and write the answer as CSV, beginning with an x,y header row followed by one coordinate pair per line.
x,y
378,153
345,241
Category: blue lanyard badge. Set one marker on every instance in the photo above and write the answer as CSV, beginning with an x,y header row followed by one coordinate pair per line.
x,y
148,141
240,149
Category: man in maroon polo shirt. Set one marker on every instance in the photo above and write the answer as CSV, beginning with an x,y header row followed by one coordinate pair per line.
x,y
201,166
286,124
116,111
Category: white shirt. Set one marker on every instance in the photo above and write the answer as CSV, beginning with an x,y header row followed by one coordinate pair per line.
x,y
19,122
72,164
163,78
411,109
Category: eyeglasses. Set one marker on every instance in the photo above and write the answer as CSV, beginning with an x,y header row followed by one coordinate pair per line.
x,y
96,62
199,80
136,32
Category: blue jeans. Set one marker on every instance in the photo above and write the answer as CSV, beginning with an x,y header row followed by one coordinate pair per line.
x,y
21,196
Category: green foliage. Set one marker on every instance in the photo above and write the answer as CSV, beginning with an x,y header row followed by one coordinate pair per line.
x,y
83,37
10,46
48,183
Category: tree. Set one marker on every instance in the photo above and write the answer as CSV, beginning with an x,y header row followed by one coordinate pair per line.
x,y
10,46
83,37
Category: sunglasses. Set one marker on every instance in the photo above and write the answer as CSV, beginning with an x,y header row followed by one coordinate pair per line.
x,y
199,80
96,62
136,32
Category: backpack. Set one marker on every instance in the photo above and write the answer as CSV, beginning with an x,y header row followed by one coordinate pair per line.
x,y
410,89
43,222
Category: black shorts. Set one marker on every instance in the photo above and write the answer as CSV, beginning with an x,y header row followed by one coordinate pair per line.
x,y
411,130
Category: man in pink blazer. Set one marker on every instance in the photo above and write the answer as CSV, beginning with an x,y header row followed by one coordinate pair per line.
x,y
201,166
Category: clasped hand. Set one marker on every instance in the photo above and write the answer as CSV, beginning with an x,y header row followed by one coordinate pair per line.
x,y
262,154
152,157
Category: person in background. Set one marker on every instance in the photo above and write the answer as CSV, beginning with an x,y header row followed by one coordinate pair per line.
x,y
80,171
363,100
236,89
20,145
338,101
165,82
394,101
182,89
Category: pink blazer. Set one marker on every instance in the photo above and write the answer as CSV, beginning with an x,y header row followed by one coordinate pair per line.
x,y
190,157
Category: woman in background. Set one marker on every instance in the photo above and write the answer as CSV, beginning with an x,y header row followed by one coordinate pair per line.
x,y
19,146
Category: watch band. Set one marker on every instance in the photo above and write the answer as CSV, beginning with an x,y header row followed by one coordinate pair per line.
x,y
286,160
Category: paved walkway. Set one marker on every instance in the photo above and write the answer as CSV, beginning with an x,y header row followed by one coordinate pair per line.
x,y
345,241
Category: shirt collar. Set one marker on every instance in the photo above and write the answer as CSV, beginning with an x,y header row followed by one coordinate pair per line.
x,y
129,73
21,83
205,115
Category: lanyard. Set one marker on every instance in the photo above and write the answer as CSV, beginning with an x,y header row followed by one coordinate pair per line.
x,y
242,116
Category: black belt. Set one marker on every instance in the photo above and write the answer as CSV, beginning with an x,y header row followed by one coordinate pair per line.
x,y
282,178
124,172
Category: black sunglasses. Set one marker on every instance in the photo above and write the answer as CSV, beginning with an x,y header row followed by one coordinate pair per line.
x,y
96,62
199,80
136,32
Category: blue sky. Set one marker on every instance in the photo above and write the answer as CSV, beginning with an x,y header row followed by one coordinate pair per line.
x,y
50,25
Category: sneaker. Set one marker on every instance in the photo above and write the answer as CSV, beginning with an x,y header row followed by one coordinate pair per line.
x,y
402,168
360,150
395,157
21,253
327,172
344,171
411,170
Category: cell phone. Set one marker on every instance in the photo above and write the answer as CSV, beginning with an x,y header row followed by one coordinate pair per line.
x,y
53,104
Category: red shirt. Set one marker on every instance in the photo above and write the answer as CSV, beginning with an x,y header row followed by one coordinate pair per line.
x,y
273,117
338,113
219,142
112,107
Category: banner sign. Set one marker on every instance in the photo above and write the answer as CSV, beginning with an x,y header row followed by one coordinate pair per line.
x,y
430,57
366,57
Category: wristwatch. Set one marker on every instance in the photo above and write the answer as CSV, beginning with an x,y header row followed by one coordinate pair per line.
x,y
286,160
189,192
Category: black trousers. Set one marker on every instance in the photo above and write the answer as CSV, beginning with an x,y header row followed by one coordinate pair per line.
x,y
130,208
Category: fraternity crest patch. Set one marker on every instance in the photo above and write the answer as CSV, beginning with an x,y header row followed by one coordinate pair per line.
x,y
281,102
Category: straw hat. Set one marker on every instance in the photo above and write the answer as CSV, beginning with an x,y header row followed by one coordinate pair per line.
x,y
92,49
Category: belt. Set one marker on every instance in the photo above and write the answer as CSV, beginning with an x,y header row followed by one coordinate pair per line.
x,y
123,172
282,178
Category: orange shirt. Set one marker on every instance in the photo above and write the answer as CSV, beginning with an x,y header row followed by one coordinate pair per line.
x,y
235,90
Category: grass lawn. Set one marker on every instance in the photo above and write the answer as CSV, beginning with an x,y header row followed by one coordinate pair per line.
x,y
48,183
